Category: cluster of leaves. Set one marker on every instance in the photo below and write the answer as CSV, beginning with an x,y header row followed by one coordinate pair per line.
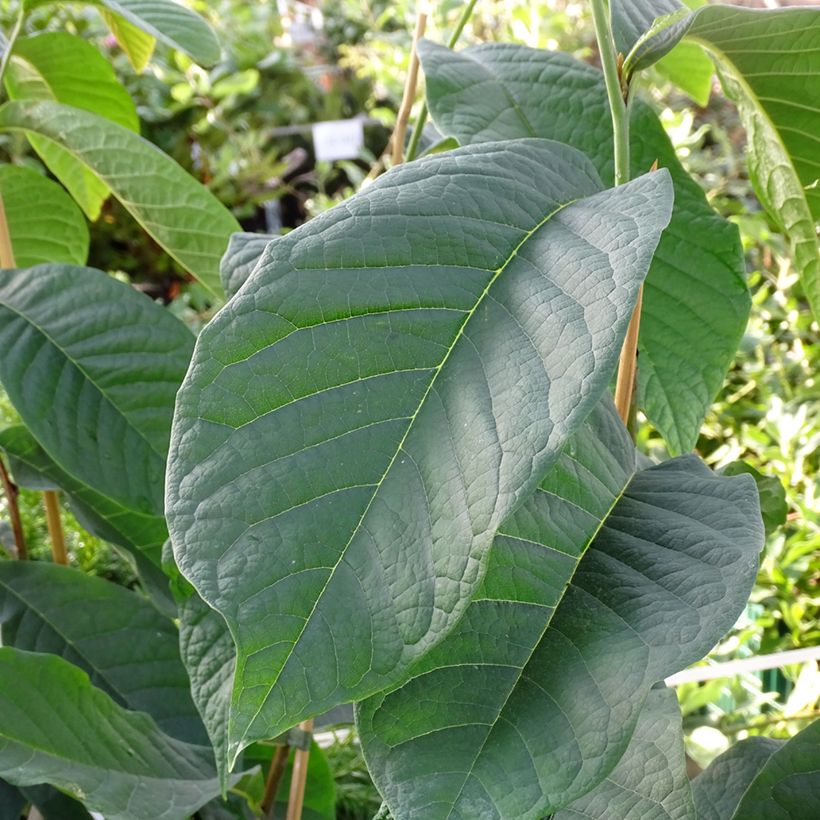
x,y
394,475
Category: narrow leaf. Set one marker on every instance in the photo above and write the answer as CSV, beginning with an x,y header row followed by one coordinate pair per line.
x,y
650,781
362,416
534,698
55,727
110,359
182,215
66,69
127,648
695,302
44,224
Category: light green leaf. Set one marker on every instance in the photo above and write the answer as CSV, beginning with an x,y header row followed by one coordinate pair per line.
x,y
44,224
718,790
650,781
209,655
769,64
127,648
178,212
689,67
244,251
531,701
362,415
763,780
63,68
695,302
137,44
167,20
773,504
110,359
55,727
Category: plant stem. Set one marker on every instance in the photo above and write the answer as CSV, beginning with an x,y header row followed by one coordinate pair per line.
x,y
11,491
12,38
610,63
409,92
55,527
421,119
277,769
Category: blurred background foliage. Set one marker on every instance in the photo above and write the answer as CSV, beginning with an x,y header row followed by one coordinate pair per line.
x,y
243,129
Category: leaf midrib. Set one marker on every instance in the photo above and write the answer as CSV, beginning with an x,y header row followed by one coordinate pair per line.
x,y
459,333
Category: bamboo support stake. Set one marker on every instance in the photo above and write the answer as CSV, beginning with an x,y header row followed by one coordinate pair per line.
x,y
409,95
274,778
298,779
55,527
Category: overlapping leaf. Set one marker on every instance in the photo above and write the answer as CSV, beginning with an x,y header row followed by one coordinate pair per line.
x,y
182,215
650,781
44,224
695,302
244,251
55,727
764,780
60,67
167,20
127,648
137,44
532,700
389,383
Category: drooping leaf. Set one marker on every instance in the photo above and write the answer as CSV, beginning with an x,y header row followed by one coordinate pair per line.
x,y
695,301
182,215
773,504
110,359
209,655
531,701
244,251
66,69
167,20
137,44
763,779
769,64
55,727
359,419
649,782
718,790
141,535
127,648
44,224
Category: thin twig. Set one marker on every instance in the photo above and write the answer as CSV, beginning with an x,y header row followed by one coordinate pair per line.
x,y
421,119
409,96
296,798
11,491
55,527
11,39
274,778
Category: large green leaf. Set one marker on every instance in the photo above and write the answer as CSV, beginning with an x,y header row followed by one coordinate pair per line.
x,y
763,780
390,382
696,302
167,20
533,699
137,44
55,727
110,359
127,648
66,69
650,781
182,215
44,224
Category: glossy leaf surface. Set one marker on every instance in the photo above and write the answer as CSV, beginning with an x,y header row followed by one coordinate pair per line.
x,y
392,380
